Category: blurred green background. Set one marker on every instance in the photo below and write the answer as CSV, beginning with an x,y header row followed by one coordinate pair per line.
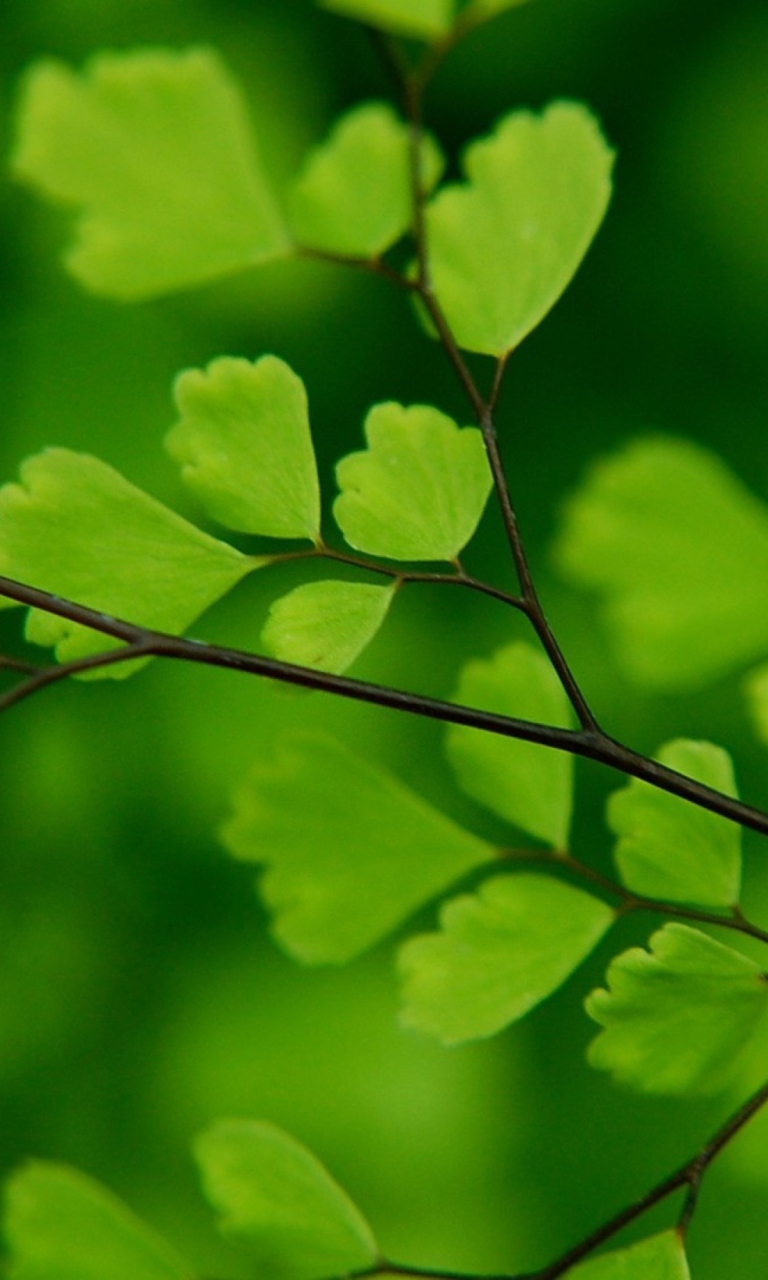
x,y
140,996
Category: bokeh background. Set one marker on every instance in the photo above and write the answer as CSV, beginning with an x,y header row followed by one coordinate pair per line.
x,y
140,996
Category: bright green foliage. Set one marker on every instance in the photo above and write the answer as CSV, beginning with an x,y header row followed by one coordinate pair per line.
x,y
245,447
659,1257
671,849
499,952
276,1198
155,150
325,625
349,851
489,8
354,194
61,1225
528,785
418,491
679,549
676,1016
422,19
504,245
75,527
757,694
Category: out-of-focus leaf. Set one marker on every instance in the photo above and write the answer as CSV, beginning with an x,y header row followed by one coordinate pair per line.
x,y
678,548
659,1257
418,491
489,8
75,527
61,1225
756,689
504,245
354,193
422,19
499,952
278,1200
325,624
677,1016
154,148
674,850
245,447
349,851
528,785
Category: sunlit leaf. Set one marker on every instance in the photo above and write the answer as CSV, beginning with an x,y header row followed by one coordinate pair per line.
x,y
154,148
423,19
61,1225
674,850
245,448
418,491
677,1016
349,851
678,548
75,527
756,688
499,952
659,1257
325,624
354,194
529,785
504,245
278,1200
489,8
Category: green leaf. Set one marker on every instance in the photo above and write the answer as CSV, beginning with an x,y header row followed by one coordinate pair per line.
x,y
353,195
505,245
660,1257
421,19
75,527
528,785
678,548
61,1225
756,689
676,1017
276,1198
499,952
325,625
418,491
349,851
154,148
490,8
671,849
245,448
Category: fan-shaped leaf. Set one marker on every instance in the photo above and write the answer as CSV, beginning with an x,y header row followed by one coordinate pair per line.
x,y
505,245
675,1017
499,952
418,491
326,624
61,1225
678,547
276,1198
349,851
674,850
75,527
245,447
354,193
154,148
524,783
659,1257
422,19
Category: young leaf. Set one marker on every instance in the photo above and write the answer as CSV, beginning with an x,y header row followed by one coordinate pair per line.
x,y
325,625
421,19
349,851
353,195
678,548
276,1198
62,1225
499,952
671,849
505,245
75,527
418,491
154,148
675,1017
660,1257
528,785
245,448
